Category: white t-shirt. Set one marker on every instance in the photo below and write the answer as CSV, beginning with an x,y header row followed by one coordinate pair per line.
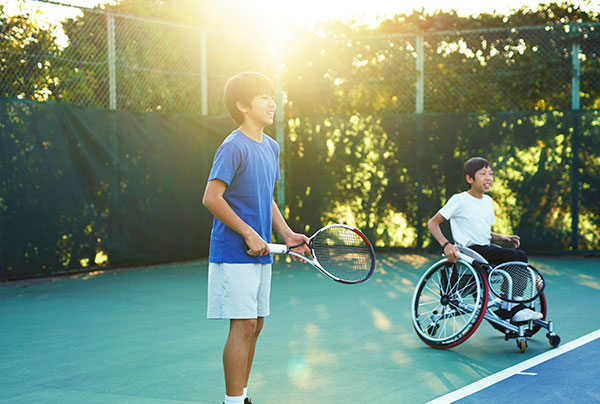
x,y
471,218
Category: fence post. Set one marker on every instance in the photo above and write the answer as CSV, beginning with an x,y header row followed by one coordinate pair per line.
x,y
3,243
112,73
419,109
203,74
114,230
279,133
575,107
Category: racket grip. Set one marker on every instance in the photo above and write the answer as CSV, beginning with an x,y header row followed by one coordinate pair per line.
x,y
278,248
465,258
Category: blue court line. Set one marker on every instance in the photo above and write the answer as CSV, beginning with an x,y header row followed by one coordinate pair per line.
x,y
560,381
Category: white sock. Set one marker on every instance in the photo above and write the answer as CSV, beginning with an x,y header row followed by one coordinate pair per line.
x,y
245,394
234,400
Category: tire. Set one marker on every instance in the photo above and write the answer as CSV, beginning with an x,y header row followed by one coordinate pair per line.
x,y
449,303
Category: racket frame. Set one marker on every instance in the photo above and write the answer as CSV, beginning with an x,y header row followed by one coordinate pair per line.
x,y
471,260
534,273
285,249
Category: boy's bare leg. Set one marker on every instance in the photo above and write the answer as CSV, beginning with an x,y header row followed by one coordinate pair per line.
x,y
236,353
259,325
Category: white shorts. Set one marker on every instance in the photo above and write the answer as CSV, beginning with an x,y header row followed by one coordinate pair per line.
x,y
238,291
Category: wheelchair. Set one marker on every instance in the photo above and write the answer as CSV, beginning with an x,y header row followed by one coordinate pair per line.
x,y
452,300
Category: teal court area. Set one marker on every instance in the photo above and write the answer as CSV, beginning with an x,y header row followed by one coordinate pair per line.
x,y
141,336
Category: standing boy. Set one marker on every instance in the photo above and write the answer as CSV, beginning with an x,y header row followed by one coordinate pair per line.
x,y
471,216
239,194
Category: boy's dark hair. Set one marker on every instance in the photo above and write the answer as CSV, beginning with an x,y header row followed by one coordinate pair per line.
x,y
473,165
242,88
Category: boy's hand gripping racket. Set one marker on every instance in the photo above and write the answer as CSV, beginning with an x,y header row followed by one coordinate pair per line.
x,y
340,252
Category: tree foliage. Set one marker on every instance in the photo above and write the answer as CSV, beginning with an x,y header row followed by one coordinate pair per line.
x,y
26,53
494,85
513,73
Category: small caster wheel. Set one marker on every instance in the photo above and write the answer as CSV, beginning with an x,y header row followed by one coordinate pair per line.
x,y
554,340
522,344
432,329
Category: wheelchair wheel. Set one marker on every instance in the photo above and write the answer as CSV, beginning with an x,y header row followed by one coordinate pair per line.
x,y
539,305
449,303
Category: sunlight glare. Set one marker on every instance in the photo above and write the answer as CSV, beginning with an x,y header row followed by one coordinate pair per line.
x,y
309,12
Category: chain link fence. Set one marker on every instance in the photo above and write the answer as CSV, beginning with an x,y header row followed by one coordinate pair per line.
x,y
342,75
494,70
588,38
125,62
113,61
498,70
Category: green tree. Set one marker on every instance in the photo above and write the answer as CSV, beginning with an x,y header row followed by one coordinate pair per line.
x,y
27,54
342,73
158,55
494,86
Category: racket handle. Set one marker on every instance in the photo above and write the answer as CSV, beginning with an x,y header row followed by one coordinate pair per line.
x,y
278,248
465,257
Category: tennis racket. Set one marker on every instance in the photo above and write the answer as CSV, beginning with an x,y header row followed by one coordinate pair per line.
x,y
340,252
516,282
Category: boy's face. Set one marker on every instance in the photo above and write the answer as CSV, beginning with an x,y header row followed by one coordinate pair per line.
x,y
261,110
482,182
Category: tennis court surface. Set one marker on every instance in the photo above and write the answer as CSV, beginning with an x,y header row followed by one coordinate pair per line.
x,y
141,336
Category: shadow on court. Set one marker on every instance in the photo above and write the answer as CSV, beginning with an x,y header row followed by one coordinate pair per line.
x,y
141,336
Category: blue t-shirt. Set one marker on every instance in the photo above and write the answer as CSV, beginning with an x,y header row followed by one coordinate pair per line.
x,y
249,169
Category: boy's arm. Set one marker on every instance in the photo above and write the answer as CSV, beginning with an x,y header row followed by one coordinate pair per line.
x,y
218,206
512,239
450,250
289,237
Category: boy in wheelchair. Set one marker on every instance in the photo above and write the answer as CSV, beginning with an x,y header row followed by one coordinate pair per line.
x,y
471,216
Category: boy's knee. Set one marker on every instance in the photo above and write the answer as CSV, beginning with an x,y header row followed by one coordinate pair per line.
x,y
246,328
520,255
259,325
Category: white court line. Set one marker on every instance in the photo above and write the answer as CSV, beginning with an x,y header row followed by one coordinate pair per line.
x,y
518,368
527,373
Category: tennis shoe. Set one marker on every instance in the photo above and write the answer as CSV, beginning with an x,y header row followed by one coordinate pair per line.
x,y
526,315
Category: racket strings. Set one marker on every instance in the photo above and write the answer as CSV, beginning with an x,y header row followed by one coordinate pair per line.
x,y
343,253
516,282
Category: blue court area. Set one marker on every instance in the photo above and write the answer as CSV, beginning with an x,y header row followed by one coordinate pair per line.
x,y
568,374
141,336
